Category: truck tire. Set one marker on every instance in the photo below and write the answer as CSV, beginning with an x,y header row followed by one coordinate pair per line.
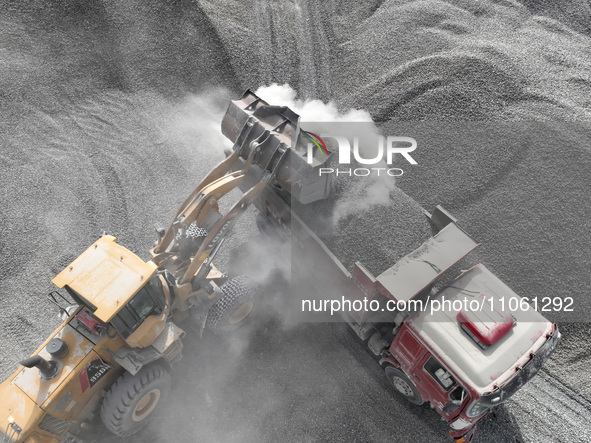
x,y
132,400
235,305
403,385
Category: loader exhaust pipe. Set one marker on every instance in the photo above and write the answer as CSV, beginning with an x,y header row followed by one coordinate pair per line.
x,y
47,369
251,119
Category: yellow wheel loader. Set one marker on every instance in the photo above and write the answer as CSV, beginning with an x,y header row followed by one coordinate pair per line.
x,y
120,336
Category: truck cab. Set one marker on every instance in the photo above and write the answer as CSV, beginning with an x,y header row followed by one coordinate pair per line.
x,y
464,346
466,361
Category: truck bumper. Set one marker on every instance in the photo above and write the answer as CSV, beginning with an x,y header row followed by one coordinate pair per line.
x,y
463,436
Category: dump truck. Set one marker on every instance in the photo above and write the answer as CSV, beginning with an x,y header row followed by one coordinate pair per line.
x,y
124,318
464,344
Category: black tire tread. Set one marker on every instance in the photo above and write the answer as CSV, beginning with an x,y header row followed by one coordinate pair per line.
x,y
416,399
237,291
128,388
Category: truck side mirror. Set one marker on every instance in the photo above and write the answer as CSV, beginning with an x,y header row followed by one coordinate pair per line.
x,y
451,406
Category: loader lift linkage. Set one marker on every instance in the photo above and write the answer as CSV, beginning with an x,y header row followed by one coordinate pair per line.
x,y
201,208
120,334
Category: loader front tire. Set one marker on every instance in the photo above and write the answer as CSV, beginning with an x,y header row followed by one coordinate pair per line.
x,y
132,400
234,306
403,385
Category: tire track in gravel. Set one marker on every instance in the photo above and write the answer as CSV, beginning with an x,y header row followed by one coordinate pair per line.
x,y
98,136
107,140
267,37
300,30
84,193
551,411
315,59
118,211
103,122
495,180
275,25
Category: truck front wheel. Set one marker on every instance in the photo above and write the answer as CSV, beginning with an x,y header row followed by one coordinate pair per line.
x,y
403,385
132,400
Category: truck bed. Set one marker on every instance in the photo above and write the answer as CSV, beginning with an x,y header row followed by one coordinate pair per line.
x,y
366,219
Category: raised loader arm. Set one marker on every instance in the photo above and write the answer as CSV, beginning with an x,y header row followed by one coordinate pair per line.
x,y
268,149
201,209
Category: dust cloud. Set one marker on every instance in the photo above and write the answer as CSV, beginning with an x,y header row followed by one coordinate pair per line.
x,y
358,127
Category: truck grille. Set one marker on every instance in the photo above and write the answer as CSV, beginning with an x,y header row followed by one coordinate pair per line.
x,y
53,424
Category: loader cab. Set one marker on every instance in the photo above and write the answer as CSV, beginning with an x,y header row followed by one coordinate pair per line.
x,y
118,289
147,302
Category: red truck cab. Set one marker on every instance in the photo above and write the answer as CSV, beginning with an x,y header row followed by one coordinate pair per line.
x,y
464,362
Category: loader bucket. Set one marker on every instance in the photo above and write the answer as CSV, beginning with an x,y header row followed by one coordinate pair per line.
x,y
251,119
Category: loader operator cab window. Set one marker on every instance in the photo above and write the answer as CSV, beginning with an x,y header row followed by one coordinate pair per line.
x,y
148,301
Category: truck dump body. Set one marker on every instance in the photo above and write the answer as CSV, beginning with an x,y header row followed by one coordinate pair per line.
x,y
365,219
417,270
357,227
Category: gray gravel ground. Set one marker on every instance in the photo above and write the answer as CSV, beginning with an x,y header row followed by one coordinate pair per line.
x,y
109,111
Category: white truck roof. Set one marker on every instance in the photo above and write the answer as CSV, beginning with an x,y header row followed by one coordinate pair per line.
x,y
442,331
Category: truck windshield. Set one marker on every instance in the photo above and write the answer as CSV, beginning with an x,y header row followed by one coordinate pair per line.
x,y
148,301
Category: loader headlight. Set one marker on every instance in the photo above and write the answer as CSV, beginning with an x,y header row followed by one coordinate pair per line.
x,y
12,430
12,424
476,409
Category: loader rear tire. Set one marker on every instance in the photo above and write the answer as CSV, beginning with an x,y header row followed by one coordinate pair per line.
x,y
233,308
133,399
403,385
